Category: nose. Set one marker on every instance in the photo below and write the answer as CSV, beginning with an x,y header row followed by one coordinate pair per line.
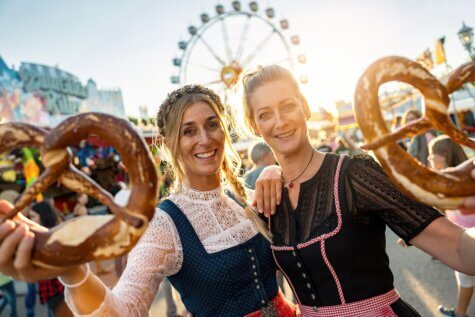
x,y
280,119
204,137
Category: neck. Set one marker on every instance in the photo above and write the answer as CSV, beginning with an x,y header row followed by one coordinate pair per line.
x,y
203,183
294,163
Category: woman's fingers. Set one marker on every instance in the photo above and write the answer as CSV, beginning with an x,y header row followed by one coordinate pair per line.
x,y
5,206
266,196
23,253
469,202
278,187
258,197
468,206
10,244
6,228
273,198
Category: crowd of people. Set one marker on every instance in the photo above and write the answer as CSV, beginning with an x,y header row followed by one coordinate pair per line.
x,y
321,217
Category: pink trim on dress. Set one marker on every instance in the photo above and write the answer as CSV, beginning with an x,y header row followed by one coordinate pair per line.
x,y
378,306
332,271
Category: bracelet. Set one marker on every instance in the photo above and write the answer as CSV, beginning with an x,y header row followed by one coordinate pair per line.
x,y
88,273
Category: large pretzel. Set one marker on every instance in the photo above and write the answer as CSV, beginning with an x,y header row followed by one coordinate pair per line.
x,y
427,185
86,238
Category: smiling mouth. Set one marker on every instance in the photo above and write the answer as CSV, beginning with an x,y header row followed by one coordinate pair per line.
x,y
206,155
285,134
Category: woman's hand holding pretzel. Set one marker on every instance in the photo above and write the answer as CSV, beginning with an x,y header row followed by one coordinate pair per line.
x,y
87,238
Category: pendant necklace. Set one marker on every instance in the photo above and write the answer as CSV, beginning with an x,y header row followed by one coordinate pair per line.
x,y
291,182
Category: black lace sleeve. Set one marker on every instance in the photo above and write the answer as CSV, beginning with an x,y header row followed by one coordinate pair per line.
x,y
375,196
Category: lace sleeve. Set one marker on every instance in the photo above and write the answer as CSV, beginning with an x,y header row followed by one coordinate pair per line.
x,y
374,195
158,253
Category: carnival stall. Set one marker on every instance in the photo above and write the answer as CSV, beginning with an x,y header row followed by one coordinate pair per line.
x,y
44,96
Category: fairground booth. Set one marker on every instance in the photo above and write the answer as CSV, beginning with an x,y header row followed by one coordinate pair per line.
x,y
44,96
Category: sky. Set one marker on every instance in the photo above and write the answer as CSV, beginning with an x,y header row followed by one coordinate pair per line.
x,y
131,44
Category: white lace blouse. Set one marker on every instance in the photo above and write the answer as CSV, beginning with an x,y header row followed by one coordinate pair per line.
x,y
219,223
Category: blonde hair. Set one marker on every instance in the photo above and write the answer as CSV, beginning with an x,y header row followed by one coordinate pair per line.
x,y
169,122
251,80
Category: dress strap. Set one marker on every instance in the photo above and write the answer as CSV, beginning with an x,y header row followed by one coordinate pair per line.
x,y
189,238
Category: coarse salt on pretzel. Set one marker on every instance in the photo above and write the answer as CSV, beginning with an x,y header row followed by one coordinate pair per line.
x,y
87,238
429,186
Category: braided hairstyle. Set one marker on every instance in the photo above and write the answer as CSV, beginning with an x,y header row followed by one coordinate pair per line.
x,y
169,119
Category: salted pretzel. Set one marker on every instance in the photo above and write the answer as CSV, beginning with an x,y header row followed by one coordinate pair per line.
x,y
429,186
87,238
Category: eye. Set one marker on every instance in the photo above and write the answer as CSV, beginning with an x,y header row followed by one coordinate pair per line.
x,y
264,115
189,131
213,125
289,107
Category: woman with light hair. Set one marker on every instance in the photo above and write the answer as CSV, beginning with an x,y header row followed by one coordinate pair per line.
x,y
328,232
212,247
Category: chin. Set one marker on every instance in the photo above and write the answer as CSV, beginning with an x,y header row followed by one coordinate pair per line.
x,y
208,170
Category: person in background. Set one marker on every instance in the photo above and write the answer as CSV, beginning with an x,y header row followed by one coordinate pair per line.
x,y
418,144
80,208
30,299
7,288
261,156
444,153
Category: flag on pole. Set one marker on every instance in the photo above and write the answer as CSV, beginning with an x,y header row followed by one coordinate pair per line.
x,y
440,51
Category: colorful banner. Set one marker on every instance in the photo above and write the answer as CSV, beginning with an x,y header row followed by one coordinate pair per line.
x,y
44,95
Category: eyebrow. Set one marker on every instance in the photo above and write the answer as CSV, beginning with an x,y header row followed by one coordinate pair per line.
x,y
188,123
280,103
285,100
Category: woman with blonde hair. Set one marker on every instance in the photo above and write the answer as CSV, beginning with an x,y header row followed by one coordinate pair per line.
x,y
329,230
201,237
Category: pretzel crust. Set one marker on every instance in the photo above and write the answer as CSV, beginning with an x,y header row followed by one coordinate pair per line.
x,y
412,177
87,238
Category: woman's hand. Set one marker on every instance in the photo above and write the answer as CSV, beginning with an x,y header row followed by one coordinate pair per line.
x,y
268,191
463,169
16,246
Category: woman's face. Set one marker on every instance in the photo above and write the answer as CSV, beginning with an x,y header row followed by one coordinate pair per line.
x,y
83,199
201,144
437,161
34,216
279,116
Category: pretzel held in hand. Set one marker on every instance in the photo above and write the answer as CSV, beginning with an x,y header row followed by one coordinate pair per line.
x,y
86,238
412,177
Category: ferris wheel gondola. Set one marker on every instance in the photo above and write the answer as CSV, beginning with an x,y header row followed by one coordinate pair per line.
x,y
229,41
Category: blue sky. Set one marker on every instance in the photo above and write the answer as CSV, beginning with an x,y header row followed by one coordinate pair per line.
x,y
130,44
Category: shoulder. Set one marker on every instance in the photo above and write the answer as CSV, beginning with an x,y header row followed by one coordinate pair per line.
x,y
161,231
363,161
161,223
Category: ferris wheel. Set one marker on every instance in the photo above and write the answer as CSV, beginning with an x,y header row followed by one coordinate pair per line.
x,y
230,40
